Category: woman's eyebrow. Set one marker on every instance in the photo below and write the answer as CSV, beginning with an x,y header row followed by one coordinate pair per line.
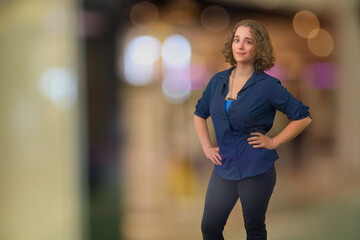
x,y
236,36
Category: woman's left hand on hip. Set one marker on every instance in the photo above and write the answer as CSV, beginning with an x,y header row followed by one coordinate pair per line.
x,y
259,140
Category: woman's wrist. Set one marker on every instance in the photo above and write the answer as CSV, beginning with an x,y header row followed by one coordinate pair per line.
x,y
205,148
275,142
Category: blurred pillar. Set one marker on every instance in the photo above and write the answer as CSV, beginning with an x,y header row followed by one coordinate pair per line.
x,y
40,122
145,162
348,41
104,145
101,21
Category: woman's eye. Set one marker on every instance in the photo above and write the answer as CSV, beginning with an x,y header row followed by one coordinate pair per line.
x,y
236,40
248,42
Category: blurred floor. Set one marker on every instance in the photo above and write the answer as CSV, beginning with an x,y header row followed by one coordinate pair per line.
x,y
302,207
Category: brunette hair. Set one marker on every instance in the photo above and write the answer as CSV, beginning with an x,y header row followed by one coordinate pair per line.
x,y
264,53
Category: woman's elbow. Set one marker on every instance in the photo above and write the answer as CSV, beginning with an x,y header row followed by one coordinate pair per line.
x,y
307,120
304,121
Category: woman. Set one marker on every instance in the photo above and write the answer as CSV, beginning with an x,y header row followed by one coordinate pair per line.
x,y
242,102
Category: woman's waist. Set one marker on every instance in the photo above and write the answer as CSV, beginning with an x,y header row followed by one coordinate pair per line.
x,y
235,135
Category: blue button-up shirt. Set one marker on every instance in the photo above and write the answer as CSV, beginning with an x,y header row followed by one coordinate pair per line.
x,y
253,111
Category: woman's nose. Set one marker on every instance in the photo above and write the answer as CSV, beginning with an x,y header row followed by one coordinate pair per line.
x,y
241,45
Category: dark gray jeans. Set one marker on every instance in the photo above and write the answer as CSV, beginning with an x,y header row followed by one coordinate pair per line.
x,y
221,196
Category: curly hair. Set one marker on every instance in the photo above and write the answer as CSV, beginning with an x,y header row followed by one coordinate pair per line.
x,y
264,52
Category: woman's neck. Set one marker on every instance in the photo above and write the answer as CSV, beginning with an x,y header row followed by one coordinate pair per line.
x,y
243,71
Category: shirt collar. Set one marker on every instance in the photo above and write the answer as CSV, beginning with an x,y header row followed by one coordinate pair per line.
x,y
256,76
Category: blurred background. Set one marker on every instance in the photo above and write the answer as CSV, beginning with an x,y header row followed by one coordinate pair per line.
x,y
96,107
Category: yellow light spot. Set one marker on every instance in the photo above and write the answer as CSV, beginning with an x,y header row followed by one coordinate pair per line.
x,y
321,44
305,22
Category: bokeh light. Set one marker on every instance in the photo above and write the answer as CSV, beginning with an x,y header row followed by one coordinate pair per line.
x,y
176,85
59,85
140,55
144,14
215,18
322,75
144,50
176,51
278,72
305,22
137,75
199,76
321,44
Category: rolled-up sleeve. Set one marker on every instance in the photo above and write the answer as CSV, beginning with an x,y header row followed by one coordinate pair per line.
x,y
202,108
282,100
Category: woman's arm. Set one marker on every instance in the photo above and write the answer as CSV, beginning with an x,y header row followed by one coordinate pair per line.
x,y
202,132
293,129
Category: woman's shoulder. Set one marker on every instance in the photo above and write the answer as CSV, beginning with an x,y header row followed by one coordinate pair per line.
x,y
223,74
219,77
269,79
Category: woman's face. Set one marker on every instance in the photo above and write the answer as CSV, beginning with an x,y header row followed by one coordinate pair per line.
x,y
243,46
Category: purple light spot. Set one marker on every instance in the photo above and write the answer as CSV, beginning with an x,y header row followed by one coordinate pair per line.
x,y
199,76
278,72
322,75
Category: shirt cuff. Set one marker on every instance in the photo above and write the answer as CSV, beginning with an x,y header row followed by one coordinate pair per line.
x,y
202,115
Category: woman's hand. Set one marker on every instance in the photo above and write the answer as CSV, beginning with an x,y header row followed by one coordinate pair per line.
x,y
260,140
212,153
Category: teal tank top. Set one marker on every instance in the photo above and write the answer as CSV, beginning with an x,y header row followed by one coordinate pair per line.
x,y
227,104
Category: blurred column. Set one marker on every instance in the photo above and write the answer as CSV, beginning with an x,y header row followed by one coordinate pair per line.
x,y
146,197
40,122
348,38
102,113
